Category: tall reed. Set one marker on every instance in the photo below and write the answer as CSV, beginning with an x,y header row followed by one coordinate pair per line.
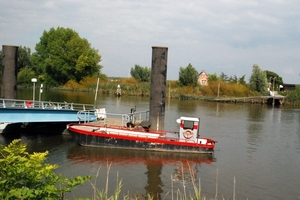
x,y
177,194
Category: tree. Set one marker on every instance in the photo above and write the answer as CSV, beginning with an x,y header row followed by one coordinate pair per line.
x,y
25,76
188,76
242,80
213,77
141,74
258,80
294,95
233,79
224,77
24,58
272,76
25,70
61,55
26,176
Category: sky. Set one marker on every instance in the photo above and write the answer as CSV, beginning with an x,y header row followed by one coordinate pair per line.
x,y
218,36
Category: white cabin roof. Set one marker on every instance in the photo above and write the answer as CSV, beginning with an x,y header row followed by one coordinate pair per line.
x,y
189,119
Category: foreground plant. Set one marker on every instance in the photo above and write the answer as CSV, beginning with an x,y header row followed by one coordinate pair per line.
x,y
27,176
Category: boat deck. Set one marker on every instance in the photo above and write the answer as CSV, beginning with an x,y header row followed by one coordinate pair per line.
x,y
119,130
137,132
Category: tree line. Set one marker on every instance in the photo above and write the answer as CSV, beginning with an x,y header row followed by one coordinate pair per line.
x,y
260,80
62,55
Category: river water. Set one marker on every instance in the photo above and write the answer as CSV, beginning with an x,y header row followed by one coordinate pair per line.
x,y
257,155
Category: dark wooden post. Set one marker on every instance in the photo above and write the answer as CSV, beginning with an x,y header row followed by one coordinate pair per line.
x,y
158,87
9,71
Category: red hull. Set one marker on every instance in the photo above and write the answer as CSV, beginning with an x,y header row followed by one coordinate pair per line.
x,y
120,137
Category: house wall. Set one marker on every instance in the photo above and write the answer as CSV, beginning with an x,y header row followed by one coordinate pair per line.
x,y
203,78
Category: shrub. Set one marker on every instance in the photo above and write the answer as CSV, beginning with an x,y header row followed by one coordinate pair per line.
x,y
26,176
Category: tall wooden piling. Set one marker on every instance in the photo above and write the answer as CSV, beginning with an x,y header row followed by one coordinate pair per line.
x,y
9,71
158,87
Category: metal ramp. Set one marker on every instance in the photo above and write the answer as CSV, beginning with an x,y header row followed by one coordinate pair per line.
x,y
13,111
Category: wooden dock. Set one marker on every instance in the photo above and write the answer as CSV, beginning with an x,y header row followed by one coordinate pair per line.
x,y
277,100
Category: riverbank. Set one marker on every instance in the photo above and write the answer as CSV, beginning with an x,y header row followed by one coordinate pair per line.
x,y
215,91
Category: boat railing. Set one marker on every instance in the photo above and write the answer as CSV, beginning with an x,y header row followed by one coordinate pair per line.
x,y
123,119
28,104
86,116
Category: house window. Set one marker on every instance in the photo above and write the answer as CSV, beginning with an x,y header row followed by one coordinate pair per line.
x,y
203,82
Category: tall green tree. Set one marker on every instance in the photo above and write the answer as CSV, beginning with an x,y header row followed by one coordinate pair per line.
x,y
188,76
258,80
61,55
141,74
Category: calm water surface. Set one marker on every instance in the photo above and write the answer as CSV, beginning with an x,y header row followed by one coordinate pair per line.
x,y
258,148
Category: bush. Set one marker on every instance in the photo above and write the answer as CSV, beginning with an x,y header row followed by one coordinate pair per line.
x,y
294,95
188,76
226,89
26,176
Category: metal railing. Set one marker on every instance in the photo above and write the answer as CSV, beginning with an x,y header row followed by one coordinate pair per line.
x,y
114,118
86,116
27,104
131,118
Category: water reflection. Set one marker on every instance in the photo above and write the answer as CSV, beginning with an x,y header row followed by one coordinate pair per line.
x,y
256,113
185,172
187,106
254,136
59,96
37,142
297,116
154,182
184,166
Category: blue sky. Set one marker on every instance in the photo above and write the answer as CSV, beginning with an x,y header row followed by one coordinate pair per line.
x,y
217,36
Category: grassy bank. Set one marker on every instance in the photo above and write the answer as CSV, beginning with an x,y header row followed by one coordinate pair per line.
x,y
215,91
131,87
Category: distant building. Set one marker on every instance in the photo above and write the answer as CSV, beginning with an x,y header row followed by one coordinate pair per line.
x,y
203,78
288,87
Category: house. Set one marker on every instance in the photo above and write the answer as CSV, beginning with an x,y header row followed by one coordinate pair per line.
x,y
286,87
203,78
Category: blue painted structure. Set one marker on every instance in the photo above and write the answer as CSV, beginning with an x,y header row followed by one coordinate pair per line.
x,y
13,111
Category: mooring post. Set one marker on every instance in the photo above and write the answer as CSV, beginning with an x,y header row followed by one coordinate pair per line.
x,y
158,87
9,71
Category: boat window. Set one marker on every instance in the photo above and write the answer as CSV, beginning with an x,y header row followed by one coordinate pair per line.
x,y
188,125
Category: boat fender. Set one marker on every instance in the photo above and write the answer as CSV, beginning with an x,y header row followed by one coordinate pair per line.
x,y
188,133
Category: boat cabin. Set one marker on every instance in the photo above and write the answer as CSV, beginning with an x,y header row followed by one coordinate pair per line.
x,y
188,128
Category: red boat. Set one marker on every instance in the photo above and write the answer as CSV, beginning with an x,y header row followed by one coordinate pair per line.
x,y
188,138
